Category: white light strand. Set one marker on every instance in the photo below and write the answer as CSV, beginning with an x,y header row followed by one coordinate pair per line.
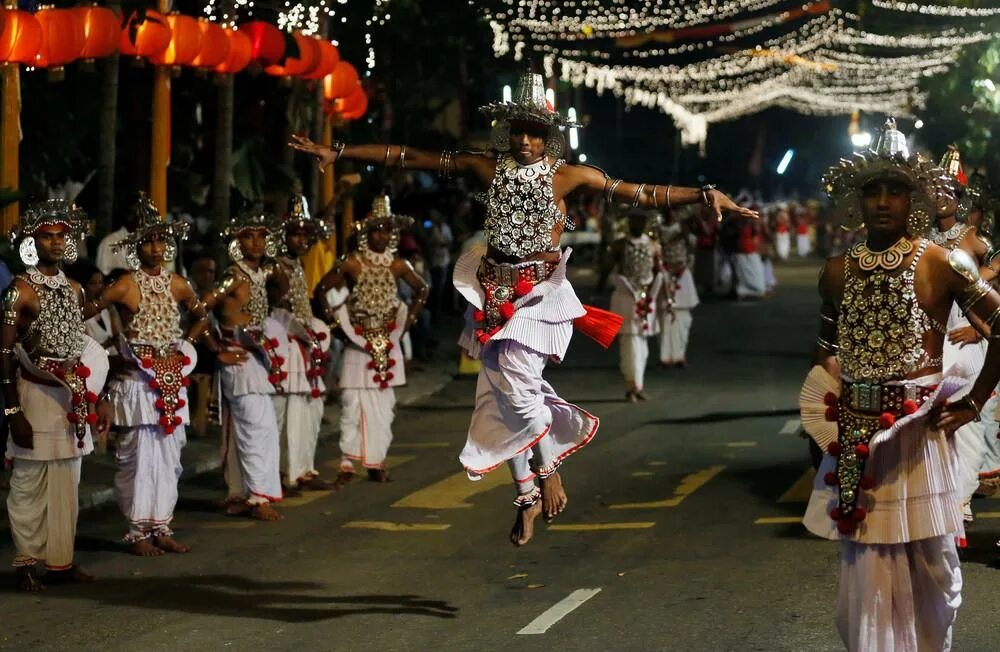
x,y
936,10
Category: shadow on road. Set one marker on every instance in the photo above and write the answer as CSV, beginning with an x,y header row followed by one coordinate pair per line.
x,y
240,597
717,417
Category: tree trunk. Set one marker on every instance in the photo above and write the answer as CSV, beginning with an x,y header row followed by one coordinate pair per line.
x,y
222,179
107,137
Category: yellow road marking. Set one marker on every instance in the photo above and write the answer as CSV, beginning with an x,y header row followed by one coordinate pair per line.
x,y
801,490
386,526
987,514
732,444
642,474
778,520
453,491
230,524
688,486
657,463
599,527
424,444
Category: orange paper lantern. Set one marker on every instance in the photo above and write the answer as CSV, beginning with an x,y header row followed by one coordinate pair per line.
x,y
62,37
20,38
353,106
147,38
240,53
214,45
267,44
303,64
185,42
100,31
342,82
329,57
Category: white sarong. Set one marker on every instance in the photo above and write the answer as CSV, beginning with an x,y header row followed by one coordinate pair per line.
x,y
675,331
803,245
783,244
43,505
970,439
149,467
750,281
366,425
299,419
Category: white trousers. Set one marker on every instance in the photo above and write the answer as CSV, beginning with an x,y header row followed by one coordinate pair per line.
x,y
675,331
634,351
252,450
43,505
970,450
299,419
366,417
803,245
899,597
783,244
149,466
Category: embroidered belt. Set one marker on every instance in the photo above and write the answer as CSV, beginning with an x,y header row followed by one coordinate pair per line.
x,y
878,398
507,274
73,373
166,364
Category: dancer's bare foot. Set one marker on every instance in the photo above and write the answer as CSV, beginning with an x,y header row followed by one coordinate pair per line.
x,y
379,475
169,544
553,496
641,396
264,512
524,524
71,574
315,484
27,580
631,397
144,548
237,509
343,478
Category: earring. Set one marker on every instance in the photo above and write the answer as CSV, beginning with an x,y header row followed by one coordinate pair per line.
x,y
170,252
132,258
235,253
71,252
271,247
918,222
28,252
554,144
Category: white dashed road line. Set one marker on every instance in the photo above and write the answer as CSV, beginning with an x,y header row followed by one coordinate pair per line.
x,y
558,611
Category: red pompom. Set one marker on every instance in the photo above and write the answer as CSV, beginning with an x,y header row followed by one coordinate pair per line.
x,y
506,310
859,514
321,337
522,288
358,330
830,398
180,403
479,315
833,448
368,346
391,325
390,376
910,406
483,337
164,420
376,379
383,385
185,381
649,309
847,525
861,450
283,375
91,418
274,342
886,420
186,360
832,413
867,482
160,404
273,379
147,363
91,397
79,444
392,363
76,399
177,420
830,478
154,383
83,372
168,430
316,393
835,513
279,360
371,364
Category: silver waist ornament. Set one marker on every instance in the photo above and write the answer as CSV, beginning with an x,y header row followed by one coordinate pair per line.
x,y
520,207
637,262
158,320
59,325
374,300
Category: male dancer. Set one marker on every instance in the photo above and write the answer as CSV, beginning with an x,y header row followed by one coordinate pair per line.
x,y
635,259
373,319
259,349
51,374
678,296
887,488
299,409
523,308
149,402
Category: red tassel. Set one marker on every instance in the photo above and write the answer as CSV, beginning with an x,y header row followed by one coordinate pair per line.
x,y
599,325
92,397
316,393
506,310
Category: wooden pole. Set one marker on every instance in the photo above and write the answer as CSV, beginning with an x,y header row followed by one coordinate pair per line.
x,y
10,137
222,179
159,157
106,145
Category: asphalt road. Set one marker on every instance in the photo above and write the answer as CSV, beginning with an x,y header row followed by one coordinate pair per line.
x,y
681,532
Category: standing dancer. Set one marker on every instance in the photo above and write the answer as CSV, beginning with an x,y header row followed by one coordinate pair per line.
x,y
373,319
51,374
150,402
523,307
256,348
679,295
299,409
879,405
637,282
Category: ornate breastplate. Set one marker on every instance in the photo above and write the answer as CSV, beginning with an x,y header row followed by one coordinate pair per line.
x,y
951,238
881,325
59,326
520,207
158,321
298,293
374,299
637,262
257,306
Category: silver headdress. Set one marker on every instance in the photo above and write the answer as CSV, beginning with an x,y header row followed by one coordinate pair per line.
x,y
890,160
298,216
50,213
956,183
528,103
150,221
252,219
382,215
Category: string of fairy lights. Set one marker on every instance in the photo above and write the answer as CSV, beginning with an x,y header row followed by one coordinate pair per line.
x,y
825,62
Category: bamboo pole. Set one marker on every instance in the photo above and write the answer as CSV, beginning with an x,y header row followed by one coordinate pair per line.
x,y
10,137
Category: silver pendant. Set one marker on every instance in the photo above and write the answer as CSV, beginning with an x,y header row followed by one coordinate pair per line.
x,y
72,252
235,252
28,252
170,252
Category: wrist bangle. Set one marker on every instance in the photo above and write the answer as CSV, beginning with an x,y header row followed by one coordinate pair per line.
x,y
706,197
971,402
11,411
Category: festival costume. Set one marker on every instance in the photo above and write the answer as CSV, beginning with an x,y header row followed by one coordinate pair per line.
x,y
782,241
678,298
373,319
62,370
751,278
637,286
888,486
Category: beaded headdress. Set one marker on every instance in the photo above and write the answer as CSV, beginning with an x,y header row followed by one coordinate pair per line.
x,y
298,216
528,103
251,219
890,160
381,215
955,182
50,212
150,221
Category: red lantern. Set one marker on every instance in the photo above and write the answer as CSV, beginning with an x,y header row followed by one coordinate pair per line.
x,y
147,38
240,53
185,42
214,45
353,107
100,31
267,44
63,38
20,38
303,64
342,82
329,57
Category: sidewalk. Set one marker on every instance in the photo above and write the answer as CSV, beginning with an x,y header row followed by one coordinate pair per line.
x,y
204,454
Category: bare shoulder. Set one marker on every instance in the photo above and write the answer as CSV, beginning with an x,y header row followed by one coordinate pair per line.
x,y
935,257
831,276
180,285
25,291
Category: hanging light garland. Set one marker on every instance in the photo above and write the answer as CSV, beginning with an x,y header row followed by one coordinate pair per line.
x,y
936,10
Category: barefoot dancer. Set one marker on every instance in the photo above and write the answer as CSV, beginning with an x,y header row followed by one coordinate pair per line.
x,y
679,295
255,349
373,319
518,288
50,404
150,401
299,408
